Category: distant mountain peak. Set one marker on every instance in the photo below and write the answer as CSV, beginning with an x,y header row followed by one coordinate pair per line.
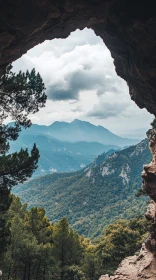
x,y
78,130
77,120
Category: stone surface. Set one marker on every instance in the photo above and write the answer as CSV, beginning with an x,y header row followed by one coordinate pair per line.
x,y
128,28
104,277
151,211
149,172
136,268
144,266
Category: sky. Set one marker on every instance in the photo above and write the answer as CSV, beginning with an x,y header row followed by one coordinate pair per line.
x,y
81,83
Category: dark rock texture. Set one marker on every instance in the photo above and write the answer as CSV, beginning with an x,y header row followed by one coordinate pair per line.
x,y
128,28
143,266
149,185
149,172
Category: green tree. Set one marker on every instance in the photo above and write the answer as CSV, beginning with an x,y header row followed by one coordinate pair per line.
x,y
20,95
39,250
90,266
21,253
120,240
67,246
39,225
5,201
17,167
74,273
30,253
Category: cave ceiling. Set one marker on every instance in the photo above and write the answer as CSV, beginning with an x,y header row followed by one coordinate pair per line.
x,y
128,28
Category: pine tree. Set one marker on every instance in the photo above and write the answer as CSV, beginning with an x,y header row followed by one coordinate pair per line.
x,y
67,246
39,224
20,95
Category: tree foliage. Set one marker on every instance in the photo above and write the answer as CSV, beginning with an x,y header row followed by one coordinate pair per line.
x,y
121,239
97,200
18,167
42,250
20,95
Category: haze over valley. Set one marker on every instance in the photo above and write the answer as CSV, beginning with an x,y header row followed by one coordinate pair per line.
x,y
70,146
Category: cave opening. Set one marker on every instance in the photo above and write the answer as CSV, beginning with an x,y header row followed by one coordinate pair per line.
x,y
81,83
82,86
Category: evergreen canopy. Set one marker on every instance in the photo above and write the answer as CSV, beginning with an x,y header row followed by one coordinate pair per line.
x,y
20,95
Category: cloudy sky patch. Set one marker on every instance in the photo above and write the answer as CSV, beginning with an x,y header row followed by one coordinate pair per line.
x,y
81,82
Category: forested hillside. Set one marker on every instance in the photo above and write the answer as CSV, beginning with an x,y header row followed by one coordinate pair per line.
x,y
58,156
38,249
67,147
96,196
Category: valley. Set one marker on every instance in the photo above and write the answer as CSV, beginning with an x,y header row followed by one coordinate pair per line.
x,y
67,147
94,196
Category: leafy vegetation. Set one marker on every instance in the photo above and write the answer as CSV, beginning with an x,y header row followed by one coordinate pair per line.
x,y
96,196
20,94
42,250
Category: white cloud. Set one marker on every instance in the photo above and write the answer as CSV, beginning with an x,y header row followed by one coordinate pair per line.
x,y
82,83
109,105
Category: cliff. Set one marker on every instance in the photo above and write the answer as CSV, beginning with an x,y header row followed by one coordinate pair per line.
x,y
143,266
136,268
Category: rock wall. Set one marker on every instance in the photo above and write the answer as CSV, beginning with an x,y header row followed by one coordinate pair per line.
x,y
143,266
136,268
128,28
149,172
149,185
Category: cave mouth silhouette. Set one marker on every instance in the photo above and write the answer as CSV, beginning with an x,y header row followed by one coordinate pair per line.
x,y
128,29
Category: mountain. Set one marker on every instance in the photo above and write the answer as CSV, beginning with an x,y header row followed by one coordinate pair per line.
x,y
95,196
67,147
80,131
58,156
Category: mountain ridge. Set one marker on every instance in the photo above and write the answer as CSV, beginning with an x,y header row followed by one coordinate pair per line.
x,y
78,130
94,196
67,146
59,156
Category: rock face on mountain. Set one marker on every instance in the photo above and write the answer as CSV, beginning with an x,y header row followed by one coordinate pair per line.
x,y
144,266
149,173
149,185
136,268
128,28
